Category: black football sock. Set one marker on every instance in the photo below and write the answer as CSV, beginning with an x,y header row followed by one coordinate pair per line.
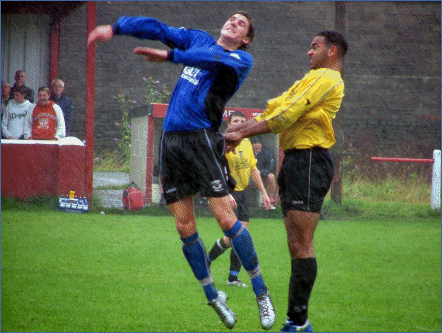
x,y
218,248
235,266
301,284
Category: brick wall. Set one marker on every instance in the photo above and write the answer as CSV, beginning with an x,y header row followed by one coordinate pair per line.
x,y
392,70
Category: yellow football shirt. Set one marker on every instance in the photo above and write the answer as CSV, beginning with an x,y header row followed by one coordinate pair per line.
x,y
241,164
303,114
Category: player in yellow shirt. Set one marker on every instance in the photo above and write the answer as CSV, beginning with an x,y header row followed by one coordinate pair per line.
x,y
303,118
242,165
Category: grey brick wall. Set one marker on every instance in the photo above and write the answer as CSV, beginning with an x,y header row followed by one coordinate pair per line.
x,y
392,70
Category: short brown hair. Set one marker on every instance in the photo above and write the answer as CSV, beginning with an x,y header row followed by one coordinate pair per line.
x,y
236,114
44,88
20,89
251,32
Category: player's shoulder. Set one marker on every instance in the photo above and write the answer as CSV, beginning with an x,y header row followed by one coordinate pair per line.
x,y
241,55
200,37
325,74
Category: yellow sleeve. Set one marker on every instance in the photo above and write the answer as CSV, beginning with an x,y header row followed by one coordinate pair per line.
x,y
301,97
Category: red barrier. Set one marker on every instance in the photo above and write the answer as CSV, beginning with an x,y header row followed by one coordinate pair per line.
x,y
33,168
399,159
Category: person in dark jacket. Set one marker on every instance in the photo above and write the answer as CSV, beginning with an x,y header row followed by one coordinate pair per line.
x,y
267,166
20,79
64,102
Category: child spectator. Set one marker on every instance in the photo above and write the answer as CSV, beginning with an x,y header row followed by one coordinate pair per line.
x,y
17,110
46,121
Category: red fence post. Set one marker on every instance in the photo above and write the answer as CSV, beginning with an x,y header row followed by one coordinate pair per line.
x,y
90,102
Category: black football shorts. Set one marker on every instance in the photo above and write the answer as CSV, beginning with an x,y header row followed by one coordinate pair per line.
x,y
242,208
192,162
304,179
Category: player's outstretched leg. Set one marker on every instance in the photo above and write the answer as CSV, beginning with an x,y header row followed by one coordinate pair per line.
x,y
196,256
235,267
242,244
217,249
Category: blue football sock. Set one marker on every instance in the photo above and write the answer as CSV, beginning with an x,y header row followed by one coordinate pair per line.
x,y
242,244
195,253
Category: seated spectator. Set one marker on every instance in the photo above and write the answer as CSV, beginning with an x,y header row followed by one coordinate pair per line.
x,y
64,102
6,91
266,165
46,121
17,110
20,79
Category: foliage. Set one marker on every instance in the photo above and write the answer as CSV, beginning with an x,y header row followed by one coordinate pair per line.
x,y
358,164
154,92
124,126
111,161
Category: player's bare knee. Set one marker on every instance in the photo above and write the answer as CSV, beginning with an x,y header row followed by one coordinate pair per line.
x,y
299,246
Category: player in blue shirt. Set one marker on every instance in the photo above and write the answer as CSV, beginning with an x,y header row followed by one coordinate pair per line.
x,y
192,152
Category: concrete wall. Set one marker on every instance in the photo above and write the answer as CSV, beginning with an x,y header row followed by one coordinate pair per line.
x,y
392,72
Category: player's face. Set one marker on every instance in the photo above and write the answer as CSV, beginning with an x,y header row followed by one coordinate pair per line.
x,y
236,29
318,53
43,97
235,121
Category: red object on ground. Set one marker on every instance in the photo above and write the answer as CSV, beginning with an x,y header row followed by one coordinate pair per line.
x,y
133,198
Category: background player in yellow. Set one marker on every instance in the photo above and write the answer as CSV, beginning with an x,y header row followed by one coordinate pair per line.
x,y
242,165
303,118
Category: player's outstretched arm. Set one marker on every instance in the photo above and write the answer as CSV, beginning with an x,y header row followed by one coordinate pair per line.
x,y
233,136
153,55
101,33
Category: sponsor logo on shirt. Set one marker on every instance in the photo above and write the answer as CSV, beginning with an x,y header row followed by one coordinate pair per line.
x,y
236,56
217,186
191,74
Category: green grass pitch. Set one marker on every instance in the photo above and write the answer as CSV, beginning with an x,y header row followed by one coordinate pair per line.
x,y
113,273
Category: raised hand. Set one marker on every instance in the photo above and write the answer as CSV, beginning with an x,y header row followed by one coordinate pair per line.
x,y
101,33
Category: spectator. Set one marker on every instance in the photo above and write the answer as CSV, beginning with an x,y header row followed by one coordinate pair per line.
x,y
46,121
20,79
6,91
17,110
64,102
266,164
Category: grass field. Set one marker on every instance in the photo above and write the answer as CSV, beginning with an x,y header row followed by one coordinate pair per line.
x,y
114,273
